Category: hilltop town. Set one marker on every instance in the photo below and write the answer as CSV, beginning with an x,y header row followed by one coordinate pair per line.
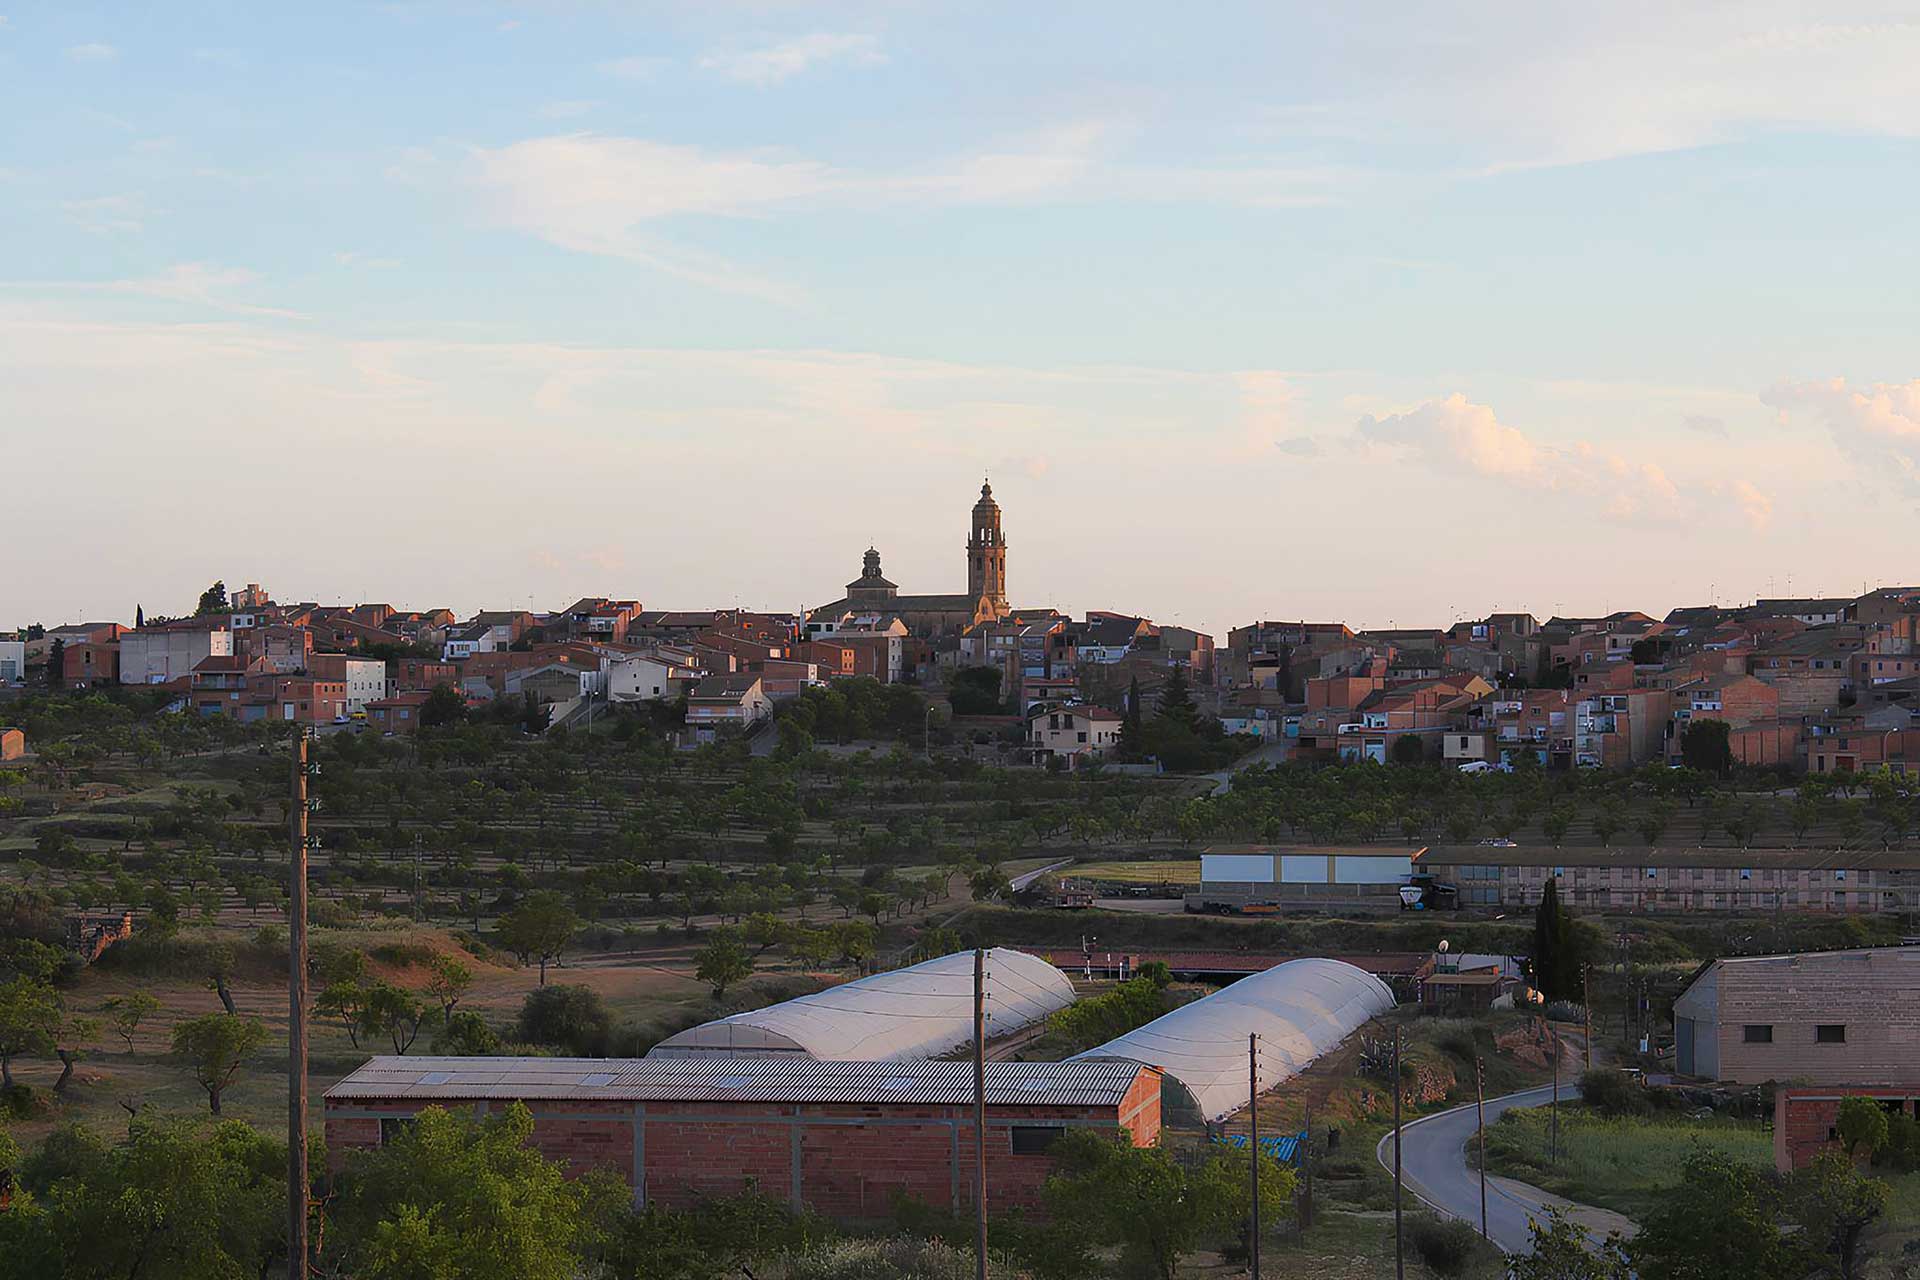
x,y
691,899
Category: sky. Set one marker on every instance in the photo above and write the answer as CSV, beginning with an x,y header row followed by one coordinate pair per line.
x,y
1390,314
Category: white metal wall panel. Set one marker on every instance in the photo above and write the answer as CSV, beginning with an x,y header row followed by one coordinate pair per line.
x,y
1303,868
1372,868
1234,868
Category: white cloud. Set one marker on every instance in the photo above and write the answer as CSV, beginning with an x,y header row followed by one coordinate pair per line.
x,y
1455,434
121,214
1556,84
1705,424
774,64
1455,431
196,283
92,53
1877,427
596,193
635,67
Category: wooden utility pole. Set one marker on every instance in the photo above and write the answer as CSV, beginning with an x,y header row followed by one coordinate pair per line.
x,y
980,1112
1306,1168
297,1013
1586,1008
1553,1113
1253,1140
1399,1247
1480,1117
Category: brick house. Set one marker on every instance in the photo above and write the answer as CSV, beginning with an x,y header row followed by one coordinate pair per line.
x,y
1851,1016
844,1139
719,702
398,714
90,663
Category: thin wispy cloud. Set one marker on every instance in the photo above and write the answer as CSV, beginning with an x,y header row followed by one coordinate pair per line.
x,y
633,67
595,193
777,63
197,283
92,53
108,215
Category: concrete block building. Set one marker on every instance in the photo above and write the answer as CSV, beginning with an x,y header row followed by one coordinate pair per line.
x,y
1829,1017
840,1138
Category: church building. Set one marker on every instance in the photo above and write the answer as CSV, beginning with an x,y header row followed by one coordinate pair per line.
x,y
985,599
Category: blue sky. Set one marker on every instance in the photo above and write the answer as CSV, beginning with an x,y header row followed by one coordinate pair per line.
x,y
1256,310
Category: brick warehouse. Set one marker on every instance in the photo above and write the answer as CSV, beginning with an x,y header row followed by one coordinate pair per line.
x,y
840,1138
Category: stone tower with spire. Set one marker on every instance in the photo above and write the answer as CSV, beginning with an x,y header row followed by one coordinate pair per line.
x,y
987,552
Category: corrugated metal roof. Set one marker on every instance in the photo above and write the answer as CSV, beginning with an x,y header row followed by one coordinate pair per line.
x,y
921,1011
790,1079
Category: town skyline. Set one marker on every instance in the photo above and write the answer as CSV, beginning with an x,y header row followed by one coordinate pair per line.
x,y
927,565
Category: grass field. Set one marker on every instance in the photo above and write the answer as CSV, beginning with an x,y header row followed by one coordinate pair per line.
x,y
1617,1164
1183,872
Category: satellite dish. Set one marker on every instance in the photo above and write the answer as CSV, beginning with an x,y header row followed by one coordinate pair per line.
x,y
1443,946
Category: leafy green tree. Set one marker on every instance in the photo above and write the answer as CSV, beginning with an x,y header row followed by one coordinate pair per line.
x,y
1862,1125
57,664
30,1019
1556,947
454,1196
398,1014
346,1000
1834,1205
465,1034
1561,1252
214,1047
172,1202
213,599
542,926
975,691
568,1017
447,980
1408,749
1175,709
1156,1209
1555,825
444,706
1721,1221
722,962
1706,745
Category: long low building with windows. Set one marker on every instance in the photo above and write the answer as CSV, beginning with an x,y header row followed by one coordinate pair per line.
x,y
844,1139
922,1011
1679,879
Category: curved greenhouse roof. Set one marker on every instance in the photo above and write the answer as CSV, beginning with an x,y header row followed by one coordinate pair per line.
x,y
1300,1010
921,1011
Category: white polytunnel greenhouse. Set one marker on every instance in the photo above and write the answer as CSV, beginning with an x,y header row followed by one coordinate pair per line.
x,y
1300,1010
921,1011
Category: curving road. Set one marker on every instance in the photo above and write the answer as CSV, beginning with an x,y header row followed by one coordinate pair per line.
x,y
1434,1167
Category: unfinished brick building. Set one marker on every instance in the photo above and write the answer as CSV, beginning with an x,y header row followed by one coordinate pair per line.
x,y
840,1138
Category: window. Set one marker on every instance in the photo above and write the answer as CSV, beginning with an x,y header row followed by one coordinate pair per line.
x,y
1830,1033
1757,1033
1033,1139
392,1127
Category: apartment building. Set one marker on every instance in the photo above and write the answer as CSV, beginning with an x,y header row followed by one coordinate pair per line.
x,y
170,651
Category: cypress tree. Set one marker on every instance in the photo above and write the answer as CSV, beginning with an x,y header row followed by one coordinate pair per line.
x,y
1176,702
1130,721
1556,966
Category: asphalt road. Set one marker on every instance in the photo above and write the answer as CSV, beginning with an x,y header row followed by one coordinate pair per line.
x,y
1433,1156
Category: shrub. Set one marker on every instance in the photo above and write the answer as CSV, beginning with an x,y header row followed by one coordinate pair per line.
x,y
1613,1093
466,1035
898,1259
573,1018
1445,1245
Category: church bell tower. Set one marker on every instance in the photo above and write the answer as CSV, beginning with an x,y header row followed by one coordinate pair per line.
x,y
987,552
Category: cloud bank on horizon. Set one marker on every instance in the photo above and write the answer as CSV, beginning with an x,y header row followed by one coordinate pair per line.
x,y
1272,310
